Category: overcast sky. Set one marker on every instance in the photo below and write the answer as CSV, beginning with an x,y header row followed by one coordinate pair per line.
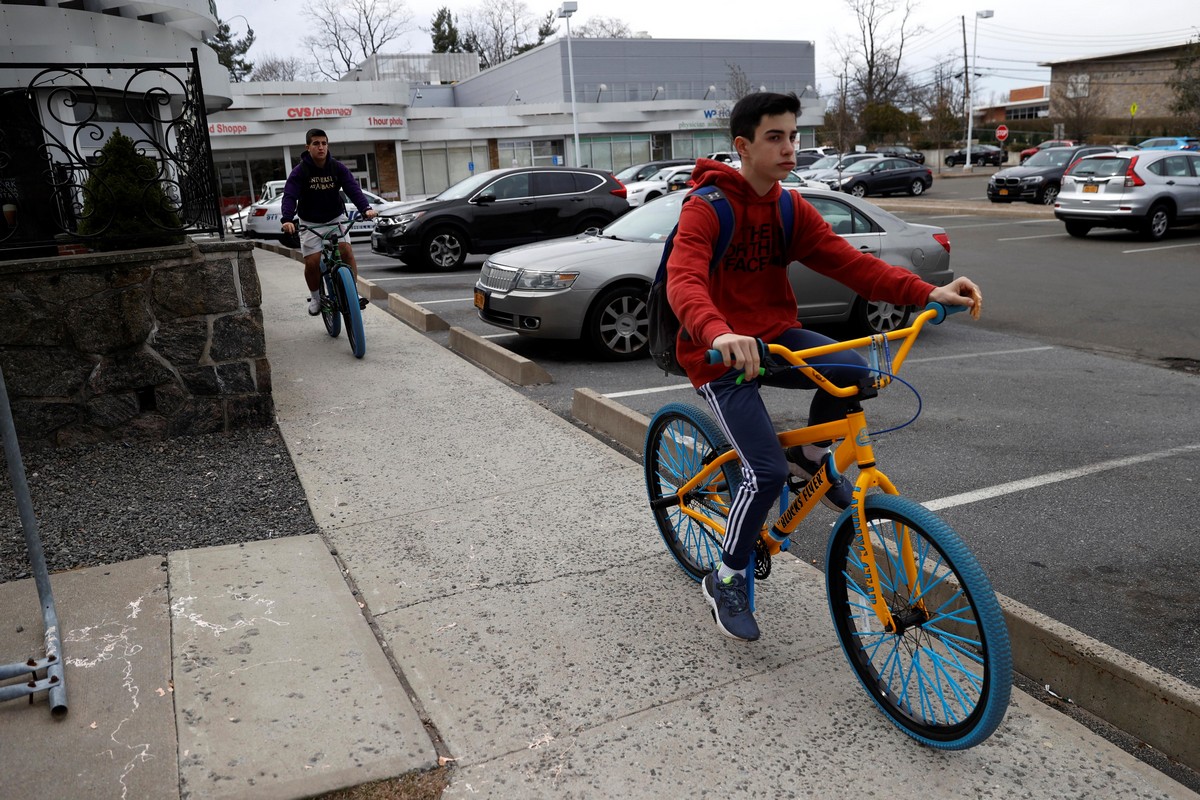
x,y
1010,44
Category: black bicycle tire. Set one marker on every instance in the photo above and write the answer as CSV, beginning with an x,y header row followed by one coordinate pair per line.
x,y
348,300
982,709
696,548
329,309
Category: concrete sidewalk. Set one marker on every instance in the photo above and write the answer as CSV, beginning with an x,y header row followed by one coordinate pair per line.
x,y
488,588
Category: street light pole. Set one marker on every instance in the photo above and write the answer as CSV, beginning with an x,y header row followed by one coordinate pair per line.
x,y
565,11
968,166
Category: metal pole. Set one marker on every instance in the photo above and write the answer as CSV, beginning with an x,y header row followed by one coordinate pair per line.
x,y
967,167
571,70
54,681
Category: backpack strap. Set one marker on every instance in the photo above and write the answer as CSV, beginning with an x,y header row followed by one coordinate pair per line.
x,y
787,218
724,211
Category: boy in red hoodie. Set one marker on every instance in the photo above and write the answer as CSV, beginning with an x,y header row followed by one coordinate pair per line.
x,y
748,297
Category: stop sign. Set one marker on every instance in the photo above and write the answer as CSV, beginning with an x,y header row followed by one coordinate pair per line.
x,y
1002,133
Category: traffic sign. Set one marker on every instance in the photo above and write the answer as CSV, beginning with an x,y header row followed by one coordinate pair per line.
x,y
1002,133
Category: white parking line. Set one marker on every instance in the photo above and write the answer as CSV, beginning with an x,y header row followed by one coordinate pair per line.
x,y
435,302
655,390
1023,238
1004,224
1054,477
1164,247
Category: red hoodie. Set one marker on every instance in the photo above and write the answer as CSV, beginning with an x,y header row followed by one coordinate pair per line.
x,y
749,292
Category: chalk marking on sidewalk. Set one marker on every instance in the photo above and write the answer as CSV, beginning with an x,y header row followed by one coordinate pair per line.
x,y
1039,481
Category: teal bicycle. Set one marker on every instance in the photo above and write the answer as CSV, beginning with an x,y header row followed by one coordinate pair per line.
x,y
339,296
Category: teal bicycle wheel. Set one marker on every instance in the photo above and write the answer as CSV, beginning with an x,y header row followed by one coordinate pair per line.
x,y
348,300
944,676
329,306
680,440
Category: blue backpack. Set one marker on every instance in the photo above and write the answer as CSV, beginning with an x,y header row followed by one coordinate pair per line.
x,y
664,325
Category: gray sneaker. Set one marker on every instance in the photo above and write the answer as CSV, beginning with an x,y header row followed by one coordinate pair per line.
x,y
731,606
314,306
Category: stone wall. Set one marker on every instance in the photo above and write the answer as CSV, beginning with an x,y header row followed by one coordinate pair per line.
x,y
138,345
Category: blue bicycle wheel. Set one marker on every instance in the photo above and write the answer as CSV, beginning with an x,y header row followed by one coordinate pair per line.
x,y
348,300
329,307
680,440
944,675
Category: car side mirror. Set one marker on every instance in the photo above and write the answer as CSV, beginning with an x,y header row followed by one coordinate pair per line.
x,y
485,198
677,183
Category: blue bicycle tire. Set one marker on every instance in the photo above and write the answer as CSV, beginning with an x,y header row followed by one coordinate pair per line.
x,y
679,441
348,300
330,314
946,677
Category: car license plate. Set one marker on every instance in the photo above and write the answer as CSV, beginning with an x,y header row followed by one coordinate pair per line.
x,y
1003,192
480,299
1090,188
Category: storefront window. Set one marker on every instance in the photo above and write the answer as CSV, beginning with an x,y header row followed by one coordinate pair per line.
x,y
430,169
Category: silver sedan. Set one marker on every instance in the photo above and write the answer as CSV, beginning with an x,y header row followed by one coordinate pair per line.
x,y
593,286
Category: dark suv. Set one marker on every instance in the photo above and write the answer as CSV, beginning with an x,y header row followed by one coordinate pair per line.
x,y
1039,178
901,151
499,209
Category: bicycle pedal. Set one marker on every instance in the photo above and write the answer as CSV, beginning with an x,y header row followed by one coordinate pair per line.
x,y
363,303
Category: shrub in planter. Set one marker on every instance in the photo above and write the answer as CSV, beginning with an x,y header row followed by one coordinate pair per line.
x,y
124,205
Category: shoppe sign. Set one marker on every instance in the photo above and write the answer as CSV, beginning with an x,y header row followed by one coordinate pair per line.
x,y
234,128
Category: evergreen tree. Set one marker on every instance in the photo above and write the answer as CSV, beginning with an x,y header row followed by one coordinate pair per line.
x,y
444,33
1186,85
124,204
231,52
547,29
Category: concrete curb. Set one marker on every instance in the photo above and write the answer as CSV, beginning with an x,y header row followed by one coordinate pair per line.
x,y
508,365
1134,697
413,315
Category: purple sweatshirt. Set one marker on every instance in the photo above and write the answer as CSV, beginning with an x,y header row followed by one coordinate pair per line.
x,y
315,190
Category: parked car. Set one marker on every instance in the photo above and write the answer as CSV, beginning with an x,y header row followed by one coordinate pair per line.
x,y
1029,151
1038,179
981,154
804,159
640,172
263,219
727,156
882,176
832,166
1170,143
1146,191
820,150
593,287
901,151
497,209
667,179
236,221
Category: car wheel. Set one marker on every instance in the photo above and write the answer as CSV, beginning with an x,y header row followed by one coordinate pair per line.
x,y
650,196
444,248
858,190
918,187
1048,195
1078,229
949,161
869,317
618,324
1154,226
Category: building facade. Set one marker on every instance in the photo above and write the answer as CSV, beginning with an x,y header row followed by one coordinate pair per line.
x,y
407,131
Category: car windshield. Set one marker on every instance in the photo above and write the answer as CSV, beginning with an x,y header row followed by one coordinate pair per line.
x,y
651,222
662,174
467,186
859,167
1052,157
825,162
1101,167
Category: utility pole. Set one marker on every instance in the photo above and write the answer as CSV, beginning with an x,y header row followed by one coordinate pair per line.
x,y
966,77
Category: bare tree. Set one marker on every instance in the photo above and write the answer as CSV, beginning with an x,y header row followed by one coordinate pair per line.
x,y
347,31
1078,103
499,29
603,28
873,57
739,85
939,101
277,68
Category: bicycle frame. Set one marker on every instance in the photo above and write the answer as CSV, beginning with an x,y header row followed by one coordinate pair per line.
x,y
854,448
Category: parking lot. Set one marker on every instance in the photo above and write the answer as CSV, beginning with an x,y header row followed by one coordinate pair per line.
x,y
1058,434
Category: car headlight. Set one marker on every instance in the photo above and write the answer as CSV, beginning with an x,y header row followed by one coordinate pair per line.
x,y
400,220
1033,179
545,281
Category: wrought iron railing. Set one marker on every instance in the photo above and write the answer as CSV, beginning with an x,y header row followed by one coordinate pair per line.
x,y
54,187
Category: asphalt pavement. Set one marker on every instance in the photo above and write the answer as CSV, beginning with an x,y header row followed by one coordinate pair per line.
x,y
487,591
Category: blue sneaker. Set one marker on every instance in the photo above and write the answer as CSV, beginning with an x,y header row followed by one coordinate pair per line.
x,y
731,606
840,494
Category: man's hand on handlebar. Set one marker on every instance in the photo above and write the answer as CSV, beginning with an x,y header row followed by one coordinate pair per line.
x,y
742,350
289,228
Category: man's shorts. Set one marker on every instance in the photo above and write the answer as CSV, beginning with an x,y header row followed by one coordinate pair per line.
x,y
310,241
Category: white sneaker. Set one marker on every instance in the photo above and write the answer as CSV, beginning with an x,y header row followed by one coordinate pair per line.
x,y
314,306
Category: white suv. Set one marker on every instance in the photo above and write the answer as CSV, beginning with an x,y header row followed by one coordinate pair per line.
x,y
1145,191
